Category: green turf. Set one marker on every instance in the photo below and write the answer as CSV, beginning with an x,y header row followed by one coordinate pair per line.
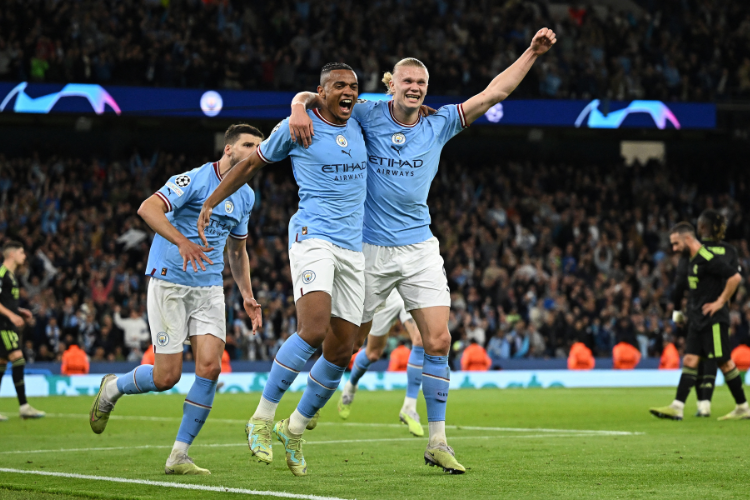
x,y
696,458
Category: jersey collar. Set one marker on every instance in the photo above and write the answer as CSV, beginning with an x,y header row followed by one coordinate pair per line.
x,y
216,170
393,117
317,113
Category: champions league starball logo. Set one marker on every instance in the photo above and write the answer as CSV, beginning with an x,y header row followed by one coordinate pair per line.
x,y
659,112
211,103
95,94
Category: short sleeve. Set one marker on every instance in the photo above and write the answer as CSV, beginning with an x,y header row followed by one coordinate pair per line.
x,y
240,231
179,190
362,109
448,121
278,145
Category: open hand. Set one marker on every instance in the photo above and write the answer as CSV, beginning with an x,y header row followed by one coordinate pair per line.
x,y
426,110
16,320
544,39
195,254
712,308
255,313
301,126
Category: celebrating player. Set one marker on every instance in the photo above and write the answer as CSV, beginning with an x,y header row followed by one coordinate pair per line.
x,y
711,228
404,151
12,321
188,304
325,254
712,282
384,318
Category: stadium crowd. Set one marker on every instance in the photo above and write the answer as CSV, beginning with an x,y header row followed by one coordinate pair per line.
x,y
538,256
687,50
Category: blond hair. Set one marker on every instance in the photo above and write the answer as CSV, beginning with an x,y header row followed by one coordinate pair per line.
x,y
407,61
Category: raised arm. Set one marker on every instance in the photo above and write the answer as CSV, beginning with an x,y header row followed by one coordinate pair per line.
x,y
238,176
507,81
239,263
300,124
154,211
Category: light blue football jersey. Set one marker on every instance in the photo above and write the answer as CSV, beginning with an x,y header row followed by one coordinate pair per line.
x,y
184,195
402,162
332,179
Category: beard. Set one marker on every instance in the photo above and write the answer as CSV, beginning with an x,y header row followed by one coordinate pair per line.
x,y
234,160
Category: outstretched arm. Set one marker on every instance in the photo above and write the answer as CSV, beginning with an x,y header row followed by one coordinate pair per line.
x,y
507,81
238,176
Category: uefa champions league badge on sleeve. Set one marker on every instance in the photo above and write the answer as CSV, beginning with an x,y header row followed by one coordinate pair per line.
x,y
398,138
308,277
229,206
182,181
341,141
162,339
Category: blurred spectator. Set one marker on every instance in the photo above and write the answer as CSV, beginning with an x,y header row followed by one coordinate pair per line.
x,y
670,358
226,366
625,356
148,357
74,361
475,358
580,357
687,50
399,358
135,328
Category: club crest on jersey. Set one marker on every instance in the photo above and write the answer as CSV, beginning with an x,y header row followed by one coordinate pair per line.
x,y
162,339
182,181
398,138
229,206
341,141
308,277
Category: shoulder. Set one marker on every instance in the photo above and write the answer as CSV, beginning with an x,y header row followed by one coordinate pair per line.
x,y
185,179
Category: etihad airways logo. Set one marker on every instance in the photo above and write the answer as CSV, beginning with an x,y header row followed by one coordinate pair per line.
x,y
659,112
95,94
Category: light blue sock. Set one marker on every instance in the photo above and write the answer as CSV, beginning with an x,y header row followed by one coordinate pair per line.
x,y
196,408
290,359
361,364
436,378
321,384
138,381
414,372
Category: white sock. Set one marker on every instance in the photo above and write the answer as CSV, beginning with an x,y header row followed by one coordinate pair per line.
x,y
298,422
678,405
266,409
179,446
111,392
349,389
410,405
23,406
743,406
437,433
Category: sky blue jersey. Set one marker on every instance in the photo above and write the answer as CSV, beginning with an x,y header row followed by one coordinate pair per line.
x,y
332,179
402,162
184,195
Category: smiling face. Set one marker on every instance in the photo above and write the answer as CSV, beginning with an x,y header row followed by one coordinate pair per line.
x,y
409,86
340,91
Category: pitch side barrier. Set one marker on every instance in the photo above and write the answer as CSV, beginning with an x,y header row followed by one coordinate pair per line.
x,y
246,382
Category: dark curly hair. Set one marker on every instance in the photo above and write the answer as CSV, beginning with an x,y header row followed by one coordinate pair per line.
x,y
715,223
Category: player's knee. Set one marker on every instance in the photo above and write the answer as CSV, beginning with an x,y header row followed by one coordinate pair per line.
x,y
438,346
165,381
210,370
727,366
374,355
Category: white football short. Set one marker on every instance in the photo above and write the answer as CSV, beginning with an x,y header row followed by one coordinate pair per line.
x,y
320,266
178,312
416,271
387,313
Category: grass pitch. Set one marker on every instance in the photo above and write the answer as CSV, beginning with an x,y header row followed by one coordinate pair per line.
x,y
522,443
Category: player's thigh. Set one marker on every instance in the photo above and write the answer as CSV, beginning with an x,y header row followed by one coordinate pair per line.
x,y
432,323
386,315
167,316
719,338
313,267
381,276
348,294
424,283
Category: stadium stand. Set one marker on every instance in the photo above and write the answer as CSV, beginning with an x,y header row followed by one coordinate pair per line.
x,y
547,255
689,50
